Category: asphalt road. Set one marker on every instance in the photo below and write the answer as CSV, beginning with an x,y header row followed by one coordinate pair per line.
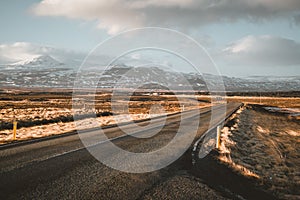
x,y
63,168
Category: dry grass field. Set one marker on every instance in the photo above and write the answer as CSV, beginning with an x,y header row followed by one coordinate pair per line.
x,y
265,144
283,102
42,113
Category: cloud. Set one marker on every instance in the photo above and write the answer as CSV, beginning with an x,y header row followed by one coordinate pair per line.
x,y
263,51
19,51
117,15
297,19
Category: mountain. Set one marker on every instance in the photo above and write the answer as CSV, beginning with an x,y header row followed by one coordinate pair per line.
x,y
39,71
42,61
45,71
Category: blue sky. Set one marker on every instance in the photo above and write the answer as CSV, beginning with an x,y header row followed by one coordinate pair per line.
x,y
20,25
229,30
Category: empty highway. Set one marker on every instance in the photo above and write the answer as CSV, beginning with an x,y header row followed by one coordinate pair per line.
x,y
62,168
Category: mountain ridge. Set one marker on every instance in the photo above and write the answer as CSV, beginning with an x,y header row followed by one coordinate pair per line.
x,y
45,71
43,61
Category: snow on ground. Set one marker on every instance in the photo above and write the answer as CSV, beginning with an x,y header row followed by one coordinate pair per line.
x,y
59,128
227,143
33,113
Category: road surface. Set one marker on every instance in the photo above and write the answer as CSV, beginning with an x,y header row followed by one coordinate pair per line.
x,y
62,168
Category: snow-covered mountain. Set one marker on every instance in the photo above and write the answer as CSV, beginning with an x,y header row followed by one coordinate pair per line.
x,y
41,61
45,71
37,71
43,66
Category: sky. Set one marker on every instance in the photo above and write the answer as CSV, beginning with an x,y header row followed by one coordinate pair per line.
x,y
244,38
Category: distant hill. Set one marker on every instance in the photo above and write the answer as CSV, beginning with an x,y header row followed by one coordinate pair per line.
x,y
45,71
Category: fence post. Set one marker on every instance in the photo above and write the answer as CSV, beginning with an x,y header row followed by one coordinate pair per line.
x,y
15,130
218,137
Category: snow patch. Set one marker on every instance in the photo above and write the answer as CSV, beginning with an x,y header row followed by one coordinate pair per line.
x,y
227,144
293,133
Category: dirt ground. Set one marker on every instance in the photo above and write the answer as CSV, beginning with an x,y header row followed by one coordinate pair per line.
x,y
265,144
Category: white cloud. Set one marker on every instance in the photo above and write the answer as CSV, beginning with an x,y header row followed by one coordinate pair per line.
x,y
20,51
263,51
135,56
117,15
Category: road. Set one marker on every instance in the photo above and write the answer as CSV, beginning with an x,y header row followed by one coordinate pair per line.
x,y
62,168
